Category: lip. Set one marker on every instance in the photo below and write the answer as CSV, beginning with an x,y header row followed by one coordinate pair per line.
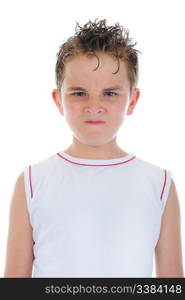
x,y
94,122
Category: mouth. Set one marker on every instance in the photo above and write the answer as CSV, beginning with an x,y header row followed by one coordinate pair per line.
x,y
95,122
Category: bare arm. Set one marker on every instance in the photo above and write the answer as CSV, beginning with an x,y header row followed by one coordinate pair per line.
x,y
19,256
168,251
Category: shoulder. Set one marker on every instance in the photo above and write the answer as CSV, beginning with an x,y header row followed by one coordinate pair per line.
x,y
155,175
149,168
42,167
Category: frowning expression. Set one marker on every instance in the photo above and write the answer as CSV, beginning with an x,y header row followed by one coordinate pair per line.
x,y
95,95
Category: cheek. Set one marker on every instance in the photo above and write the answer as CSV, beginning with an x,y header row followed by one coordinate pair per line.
x,y
118,111
74,115
71,110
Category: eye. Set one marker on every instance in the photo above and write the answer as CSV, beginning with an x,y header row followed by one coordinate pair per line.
x,y
112,93
77,93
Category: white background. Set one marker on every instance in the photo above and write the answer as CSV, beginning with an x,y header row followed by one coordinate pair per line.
x,y
31,127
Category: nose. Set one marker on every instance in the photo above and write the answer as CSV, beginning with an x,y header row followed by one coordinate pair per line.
x,y
94,110
94,106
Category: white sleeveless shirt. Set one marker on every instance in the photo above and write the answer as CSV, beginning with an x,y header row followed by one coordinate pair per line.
x,y
95,218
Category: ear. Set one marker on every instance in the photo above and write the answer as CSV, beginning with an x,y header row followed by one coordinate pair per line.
x,y
133,100
57,99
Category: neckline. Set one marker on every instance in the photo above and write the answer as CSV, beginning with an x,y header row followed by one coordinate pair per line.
x,y
96,162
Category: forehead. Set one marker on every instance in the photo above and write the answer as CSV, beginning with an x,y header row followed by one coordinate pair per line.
x,y
82,68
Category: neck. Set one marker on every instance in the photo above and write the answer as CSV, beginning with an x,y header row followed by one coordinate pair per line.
x,y
107,151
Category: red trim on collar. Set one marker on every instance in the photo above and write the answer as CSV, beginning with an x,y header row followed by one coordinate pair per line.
x,y
119,163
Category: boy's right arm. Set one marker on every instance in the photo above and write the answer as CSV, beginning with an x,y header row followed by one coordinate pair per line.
x,y
19,255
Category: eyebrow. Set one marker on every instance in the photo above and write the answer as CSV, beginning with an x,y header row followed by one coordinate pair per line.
x,y
75,88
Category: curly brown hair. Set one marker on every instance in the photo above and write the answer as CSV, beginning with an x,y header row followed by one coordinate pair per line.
x,y
98,36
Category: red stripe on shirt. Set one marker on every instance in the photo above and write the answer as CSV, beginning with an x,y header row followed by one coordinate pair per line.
x,y
165,175
30,182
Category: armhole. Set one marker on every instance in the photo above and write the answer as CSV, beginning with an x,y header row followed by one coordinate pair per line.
x,y
28,185
167,178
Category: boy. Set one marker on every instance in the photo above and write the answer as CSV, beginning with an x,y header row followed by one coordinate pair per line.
x,y
94,210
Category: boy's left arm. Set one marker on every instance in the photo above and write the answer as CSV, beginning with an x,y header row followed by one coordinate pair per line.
x,y
168,251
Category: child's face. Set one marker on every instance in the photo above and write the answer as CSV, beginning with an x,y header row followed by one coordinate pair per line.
x,y
94,102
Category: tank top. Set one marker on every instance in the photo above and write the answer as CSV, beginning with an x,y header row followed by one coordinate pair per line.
x,y
95,218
